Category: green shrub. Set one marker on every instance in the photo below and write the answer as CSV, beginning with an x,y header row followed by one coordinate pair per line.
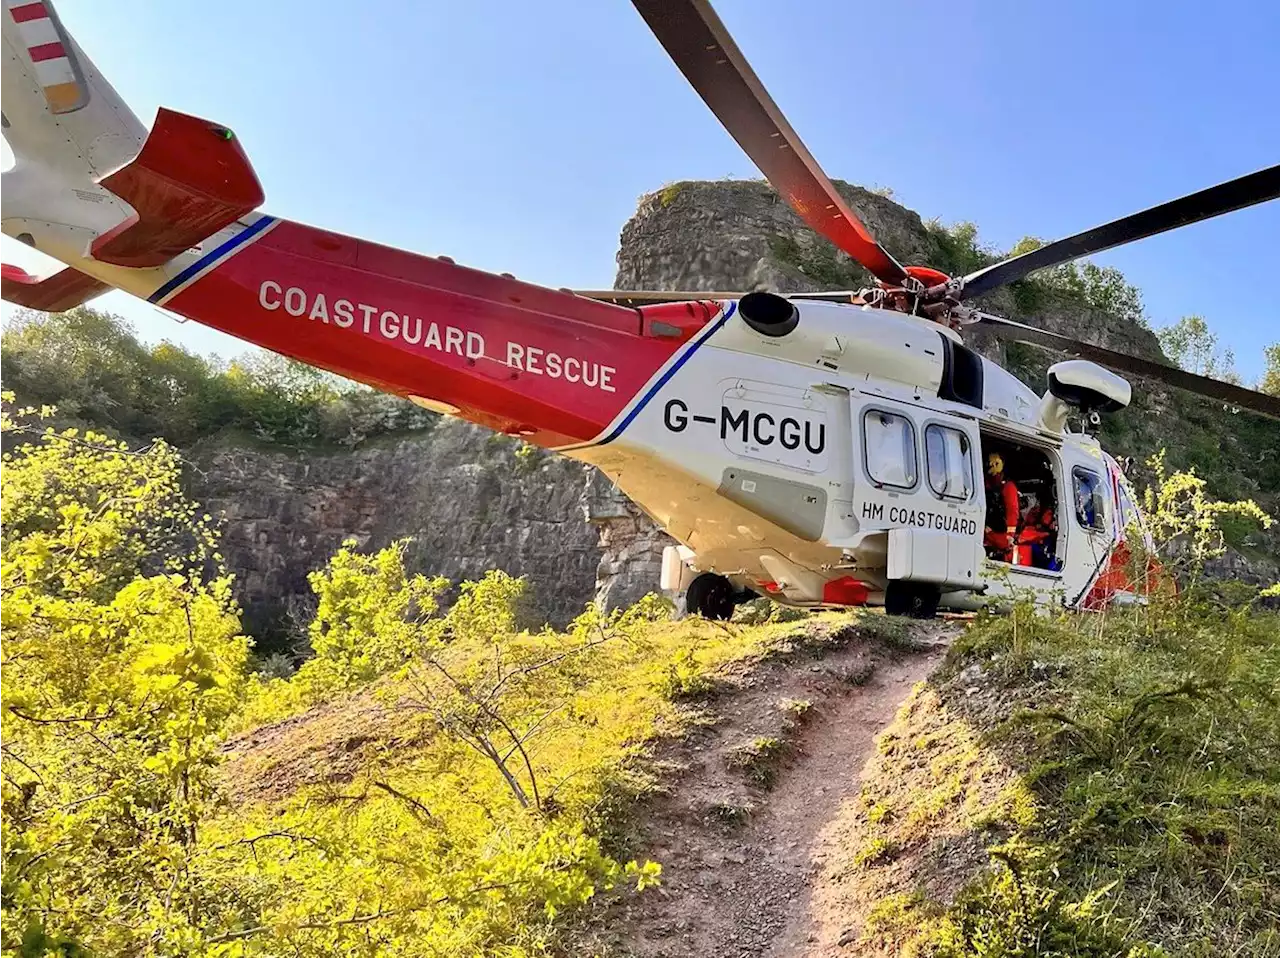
x,y
91,365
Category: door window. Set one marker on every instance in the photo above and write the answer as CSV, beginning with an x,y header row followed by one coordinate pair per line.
x,y
889,441
1090,511
949,461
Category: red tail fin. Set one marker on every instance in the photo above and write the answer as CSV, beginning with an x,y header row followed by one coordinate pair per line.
x,y
190,180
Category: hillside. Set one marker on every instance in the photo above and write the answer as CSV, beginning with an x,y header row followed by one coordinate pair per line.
x,y
849,785
436,780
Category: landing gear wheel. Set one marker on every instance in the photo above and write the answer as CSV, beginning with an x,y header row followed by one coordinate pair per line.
x,y
915,600
710,596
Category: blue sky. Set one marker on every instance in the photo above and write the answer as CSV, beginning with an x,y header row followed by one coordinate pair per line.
x,y
517,136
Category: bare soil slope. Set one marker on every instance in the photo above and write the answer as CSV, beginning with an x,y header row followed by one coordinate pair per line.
x,y
751,802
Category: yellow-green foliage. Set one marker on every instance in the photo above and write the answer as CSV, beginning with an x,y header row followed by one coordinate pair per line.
x,y
1179,510
667,195
121,661
1125,791
500,809
370,618
506,811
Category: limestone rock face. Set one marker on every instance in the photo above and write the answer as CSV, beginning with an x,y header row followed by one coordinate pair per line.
x,y
469,499
731,235
631,545
739,235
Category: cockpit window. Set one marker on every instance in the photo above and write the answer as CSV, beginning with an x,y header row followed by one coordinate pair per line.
x,y
1090,507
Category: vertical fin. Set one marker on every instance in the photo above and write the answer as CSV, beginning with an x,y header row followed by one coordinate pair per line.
x,y
57,70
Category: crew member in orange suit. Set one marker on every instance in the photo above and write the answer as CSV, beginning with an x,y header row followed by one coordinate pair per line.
x,y
1038,528
1002,511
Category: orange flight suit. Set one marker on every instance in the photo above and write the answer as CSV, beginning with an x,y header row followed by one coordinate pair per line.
x,y
1006,491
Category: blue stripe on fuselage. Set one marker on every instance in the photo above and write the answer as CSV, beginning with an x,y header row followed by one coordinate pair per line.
x,y
225,249
653,390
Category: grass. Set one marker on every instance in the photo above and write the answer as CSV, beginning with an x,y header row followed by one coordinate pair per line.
x,y
399,810
1112,789
760,759
875,852
667,195
796,712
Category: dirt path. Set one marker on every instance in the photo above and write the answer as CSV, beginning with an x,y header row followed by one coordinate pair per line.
x,y
742,860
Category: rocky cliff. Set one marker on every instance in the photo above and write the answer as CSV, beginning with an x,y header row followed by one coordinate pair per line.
x,y
740,235
468,499
475,501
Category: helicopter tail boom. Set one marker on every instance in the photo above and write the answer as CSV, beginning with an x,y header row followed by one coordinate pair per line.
x,y
552,367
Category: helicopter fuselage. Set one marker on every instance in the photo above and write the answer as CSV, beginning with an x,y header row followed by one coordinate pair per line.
x,y
769,460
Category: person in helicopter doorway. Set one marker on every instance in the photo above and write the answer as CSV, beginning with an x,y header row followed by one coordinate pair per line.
x,y
1002,511
1039,534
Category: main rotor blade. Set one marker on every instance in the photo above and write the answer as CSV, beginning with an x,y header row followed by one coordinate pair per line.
x,y
1226,197
706,54
1203,385
638,297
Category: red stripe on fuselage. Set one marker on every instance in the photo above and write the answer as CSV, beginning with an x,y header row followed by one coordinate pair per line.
x,y
47,51
29,11
496,336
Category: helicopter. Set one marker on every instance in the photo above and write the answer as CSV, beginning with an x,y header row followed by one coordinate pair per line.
x,y
826,450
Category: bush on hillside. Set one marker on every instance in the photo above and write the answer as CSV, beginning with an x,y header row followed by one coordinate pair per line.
x,y
122,662
91,366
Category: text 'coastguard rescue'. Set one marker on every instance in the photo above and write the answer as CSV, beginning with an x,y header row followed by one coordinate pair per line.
x,y
394,326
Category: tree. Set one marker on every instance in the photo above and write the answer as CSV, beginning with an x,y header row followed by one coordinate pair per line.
x,y
1192,345
1102,287
123,667
122,660
1270,382
371,617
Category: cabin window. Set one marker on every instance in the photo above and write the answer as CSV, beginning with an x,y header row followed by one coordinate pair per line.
x,y
949,462
1128,514
890,444
1089,504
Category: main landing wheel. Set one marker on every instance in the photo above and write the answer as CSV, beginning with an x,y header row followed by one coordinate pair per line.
x,y
915,600
711,596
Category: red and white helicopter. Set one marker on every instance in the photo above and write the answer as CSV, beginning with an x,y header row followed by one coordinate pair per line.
x,y
821,449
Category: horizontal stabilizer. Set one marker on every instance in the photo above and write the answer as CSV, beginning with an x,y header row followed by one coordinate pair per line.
x,y
64,290
190,180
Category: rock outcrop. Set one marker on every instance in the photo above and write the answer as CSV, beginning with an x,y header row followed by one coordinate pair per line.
x,y
469,500
740,235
